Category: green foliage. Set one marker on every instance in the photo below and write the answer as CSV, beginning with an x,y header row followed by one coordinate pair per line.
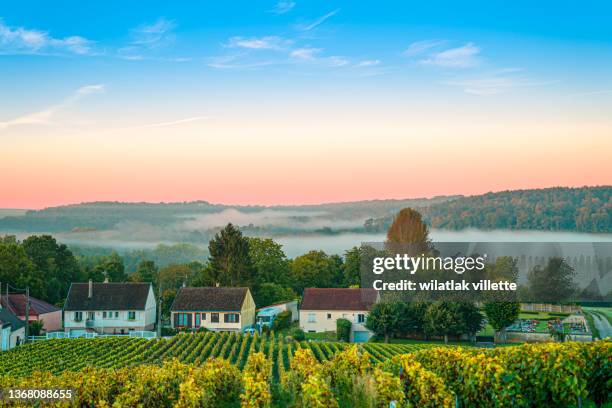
x,y
315,269
501,314
35,327
41,263
343,330
351,269
270,262
385,318
444,318
553,283
583,209
230,262
267,294
298,334
146,272
282,320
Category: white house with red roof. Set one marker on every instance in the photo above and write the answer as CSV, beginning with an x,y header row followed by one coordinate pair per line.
x,y
321,307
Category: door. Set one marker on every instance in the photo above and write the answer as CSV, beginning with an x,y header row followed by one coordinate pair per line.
x,y
6,338
361,336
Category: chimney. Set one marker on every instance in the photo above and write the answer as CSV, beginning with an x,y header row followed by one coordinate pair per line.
x,y
90,292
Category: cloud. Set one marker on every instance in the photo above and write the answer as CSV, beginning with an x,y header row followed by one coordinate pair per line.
x,y
494,84
238,61
318,21
461,57
259,43
368,63
419,47
305,53
45,116
283,7
20,40
147,38
155,34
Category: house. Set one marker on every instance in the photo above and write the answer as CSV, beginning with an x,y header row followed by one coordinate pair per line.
x,y
111,308
217,309
12,330
321,307
50,315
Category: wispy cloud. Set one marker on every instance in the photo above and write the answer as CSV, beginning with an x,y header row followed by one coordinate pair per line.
x,y
283,7
461,57
305,53
419,47
259,43
367,63
239,61
147,38
314,24
495,84
21,40
45,116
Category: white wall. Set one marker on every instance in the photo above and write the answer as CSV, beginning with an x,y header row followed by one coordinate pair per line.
x,y
323,323
145,319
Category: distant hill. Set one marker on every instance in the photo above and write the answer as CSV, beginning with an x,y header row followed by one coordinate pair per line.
x,y
583,209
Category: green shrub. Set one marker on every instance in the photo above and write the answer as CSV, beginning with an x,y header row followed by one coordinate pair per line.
x,y
343,330
298,335
282,320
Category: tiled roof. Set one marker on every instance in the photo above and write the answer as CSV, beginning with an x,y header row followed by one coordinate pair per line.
x,y
209,299
338,299
6,317
16,303
108,296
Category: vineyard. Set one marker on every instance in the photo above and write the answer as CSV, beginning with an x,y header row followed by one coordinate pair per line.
x,y
61,355
258,372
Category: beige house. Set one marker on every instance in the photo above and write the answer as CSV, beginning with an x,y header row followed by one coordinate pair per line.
x,y
50,315
216,309
321,307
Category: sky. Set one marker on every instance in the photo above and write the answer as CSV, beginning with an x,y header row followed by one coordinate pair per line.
x,y
288,102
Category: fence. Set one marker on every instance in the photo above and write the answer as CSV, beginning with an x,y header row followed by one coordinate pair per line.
x,y
91,335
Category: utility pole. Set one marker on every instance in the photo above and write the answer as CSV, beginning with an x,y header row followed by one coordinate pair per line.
x,y
159,310
27,314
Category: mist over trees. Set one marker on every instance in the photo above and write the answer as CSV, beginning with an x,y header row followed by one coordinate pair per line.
x,y
584,209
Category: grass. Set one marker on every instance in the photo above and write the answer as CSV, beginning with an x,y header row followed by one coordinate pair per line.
x,y
323,336
591,322
604,312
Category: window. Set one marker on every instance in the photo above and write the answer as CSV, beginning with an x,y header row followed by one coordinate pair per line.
x,y
203,316
104,315
360,318
78,316
197,319
312,317
131,315
329,316
183,319
231,318
214,317
91,315
116,315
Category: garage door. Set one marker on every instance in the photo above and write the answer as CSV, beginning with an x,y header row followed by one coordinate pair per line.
x,y
361,336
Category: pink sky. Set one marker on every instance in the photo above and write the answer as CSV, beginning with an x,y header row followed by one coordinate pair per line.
x,y
263,167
